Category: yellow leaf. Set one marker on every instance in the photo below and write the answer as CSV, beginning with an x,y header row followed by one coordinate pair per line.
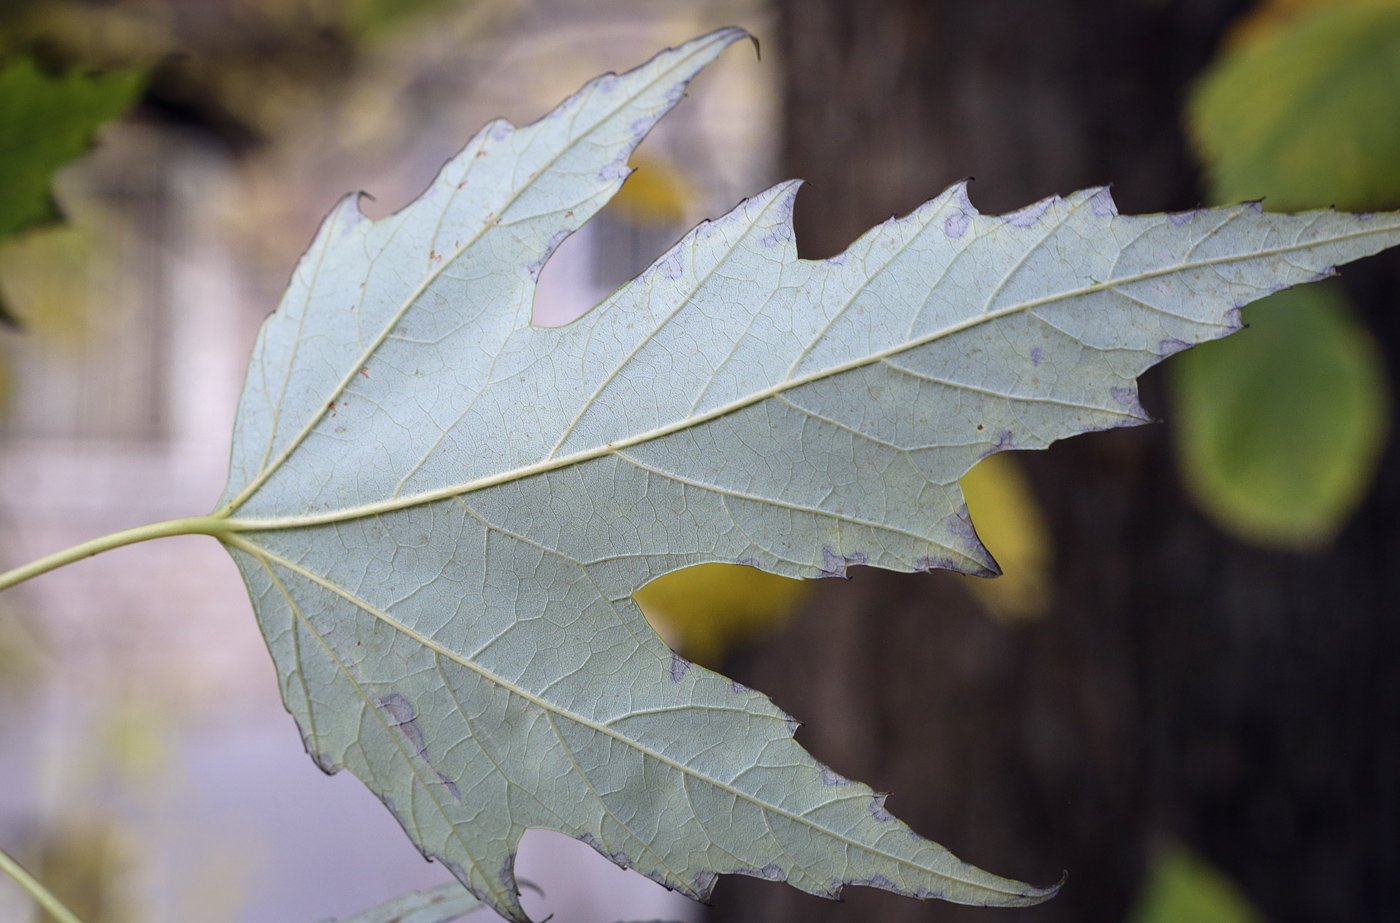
x,y
706,610
45,278
657,194
1012,526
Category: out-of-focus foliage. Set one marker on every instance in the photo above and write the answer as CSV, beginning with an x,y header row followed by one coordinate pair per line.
x,y
1268,17
46,277
87,867
1012,526
247,69
21,652
656,194
48,118
367,18
253,73
1307,113
1279,429
1184,888
46,121
706,610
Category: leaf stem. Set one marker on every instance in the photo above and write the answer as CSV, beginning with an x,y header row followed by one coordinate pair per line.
x,y
190,525
37,891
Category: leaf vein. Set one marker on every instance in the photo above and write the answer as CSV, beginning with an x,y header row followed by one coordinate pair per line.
x,y
687,772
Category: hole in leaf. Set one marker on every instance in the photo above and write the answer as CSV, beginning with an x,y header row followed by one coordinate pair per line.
x,y
644,220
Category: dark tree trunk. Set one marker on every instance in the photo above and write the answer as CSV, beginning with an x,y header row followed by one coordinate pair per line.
x,y
1185,686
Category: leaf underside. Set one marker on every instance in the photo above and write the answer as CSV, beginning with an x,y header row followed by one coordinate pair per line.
x,y
442,904
441,512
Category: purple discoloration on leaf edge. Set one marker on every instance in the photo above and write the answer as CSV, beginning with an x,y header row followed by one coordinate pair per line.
x,y
679,665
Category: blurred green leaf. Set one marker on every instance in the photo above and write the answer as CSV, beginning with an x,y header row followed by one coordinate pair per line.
x,y
1308,114
46,121
1184,888
367,18
1278,430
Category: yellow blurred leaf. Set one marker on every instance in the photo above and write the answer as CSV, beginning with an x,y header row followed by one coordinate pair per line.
x,y
706,610
657,194
1012,526
88,866
45,279
135,734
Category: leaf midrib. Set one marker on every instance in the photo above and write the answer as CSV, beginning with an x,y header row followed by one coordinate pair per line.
x,y
544,704
787,384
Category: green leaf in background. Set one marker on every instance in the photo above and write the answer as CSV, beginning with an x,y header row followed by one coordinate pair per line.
x,y
441,512
1307,115
1279,429
1184,888
368,18
46,121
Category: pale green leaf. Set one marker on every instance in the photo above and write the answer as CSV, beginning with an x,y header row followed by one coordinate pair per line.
x,y
442,904
441,512
1279,430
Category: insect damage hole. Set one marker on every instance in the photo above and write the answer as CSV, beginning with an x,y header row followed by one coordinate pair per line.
x,y
643,221
565,288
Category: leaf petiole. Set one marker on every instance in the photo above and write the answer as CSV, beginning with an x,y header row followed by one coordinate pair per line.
x,y
214,525
41,894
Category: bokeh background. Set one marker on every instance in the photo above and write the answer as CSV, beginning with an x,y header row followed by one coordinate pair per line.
x,y
1183,690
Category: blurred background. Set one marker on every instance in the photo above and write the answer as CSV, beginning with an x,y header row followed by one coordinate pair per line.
x,y
1183,689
